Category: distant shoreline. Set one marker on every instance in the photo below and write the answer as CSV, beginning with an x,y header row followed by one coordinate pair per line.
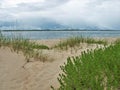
x,y
54,30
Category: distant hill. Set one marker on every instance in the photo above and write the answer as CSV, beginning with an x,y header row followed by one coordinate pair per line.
x,y
44,24
33,24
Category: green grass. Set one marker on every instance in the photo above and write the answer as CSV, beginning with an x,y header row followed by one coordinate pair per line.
x,y
23,45
75,41
93,70
37,46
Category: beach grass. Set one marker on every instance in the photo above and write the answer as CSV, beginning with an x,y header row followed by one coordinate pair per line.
x,y
25,46
93,70
75,41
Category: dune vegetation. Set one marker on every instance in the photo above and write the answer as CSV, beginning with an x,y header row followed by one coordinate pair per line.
x,y
98,69
28,48
31,49
76,41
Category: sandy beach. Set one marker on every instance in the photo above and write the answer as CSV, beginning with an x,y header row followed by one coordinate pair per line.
x,y
36,75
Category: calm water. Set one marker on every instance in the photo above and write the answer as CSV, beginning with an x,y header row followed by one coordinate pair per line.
x,y
60,34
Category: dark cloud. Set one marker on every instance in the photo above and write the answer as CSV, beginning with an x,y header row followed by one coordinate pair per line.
x,y
38,6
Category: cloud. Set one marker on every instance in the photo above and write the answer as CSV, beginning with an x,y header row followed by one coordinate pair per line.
x,y
37,5
106,14
40,5
103,14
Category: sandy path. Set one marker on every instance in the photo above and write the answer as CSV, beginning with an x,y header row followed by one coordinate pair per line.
x,y
36,75
12,76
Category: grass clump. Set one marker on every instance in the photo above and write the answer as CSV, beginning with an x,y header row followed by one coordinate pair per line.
x,y
75,41
22,45
93,70
37,46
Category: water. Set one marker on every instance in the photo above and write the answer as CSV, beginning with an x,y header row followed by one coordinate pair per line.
x,y
60,34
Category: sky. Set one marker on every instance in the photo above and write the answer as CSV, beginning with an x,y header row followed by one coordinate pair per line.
x,y
81,14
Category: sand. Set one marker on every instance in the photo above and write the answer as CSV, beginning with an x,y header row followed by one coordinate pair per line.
x,y
36,75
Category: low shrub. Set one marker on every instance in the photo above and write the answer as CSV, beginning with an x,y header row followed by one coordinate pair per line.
x,y
93,70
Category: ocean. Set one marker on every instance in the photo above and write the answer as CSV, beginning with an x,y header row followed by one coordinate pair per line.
x,y
36,35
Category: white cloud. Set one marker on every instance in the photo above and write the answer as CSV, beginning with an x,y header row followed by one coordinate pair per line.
x,y
104,14
73,13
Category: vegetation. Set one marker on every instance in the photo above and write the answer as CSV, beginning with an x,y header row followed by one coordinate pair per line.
x,y
25,46
75,41
93,70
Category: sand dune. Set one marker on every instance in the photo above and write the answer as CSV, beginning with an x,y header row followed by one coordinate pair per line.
x,y
36,75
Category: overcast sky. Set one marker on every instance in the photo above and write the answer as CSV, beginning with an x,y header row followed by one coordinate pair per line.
x,y
104,14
